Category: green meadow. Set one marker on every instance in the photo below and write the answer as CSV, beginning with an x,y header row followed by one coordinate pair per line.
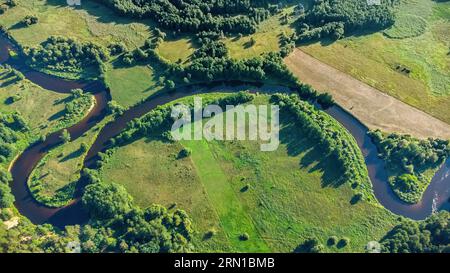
x,y
409,61
279,199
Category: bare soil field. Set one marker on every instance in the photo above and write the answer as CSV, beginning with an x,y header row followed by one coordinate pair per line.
x,y
372,107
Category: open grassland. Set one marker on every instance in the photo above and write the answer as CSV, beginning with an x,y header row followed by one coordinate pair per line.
x,y
130,85
278,198
93,22
266,39
151,173
415,70
176,50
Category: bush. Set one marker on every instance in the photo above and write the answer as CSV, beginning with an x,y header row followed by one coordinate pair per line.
x,y
210,233
184,153
406,182
6,198
325,100
244,237
310,245
332,240
105,201
65,136
30,20
343,242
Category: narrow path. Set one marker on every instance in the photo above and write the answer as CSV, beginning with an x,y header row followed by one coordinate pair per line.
x,y
372,107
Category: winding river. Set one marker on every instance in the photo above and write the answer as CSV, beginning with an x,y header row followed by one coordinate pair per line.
x,y
436,197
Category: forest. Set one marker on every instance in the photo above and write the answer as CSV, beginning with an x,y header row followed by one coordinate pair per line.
x,y
192,16
429,236
66,54
336,18
408,159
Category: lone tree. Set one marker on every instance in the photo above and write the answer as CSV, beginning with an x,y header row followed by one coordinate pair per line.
x,y
30,20
65,136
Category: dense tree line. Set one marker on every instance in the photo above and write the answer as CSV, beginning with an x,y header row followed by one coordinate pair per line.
x,y
6,197
429,236
335,18
211,62
118,225
229,16
332,138
409,153
159,121
66,54
26,237
10,126
408,158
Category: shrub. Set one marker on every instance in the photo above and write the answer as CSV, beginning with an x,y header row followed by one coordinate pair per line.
x,y
30,20
6,198
332,240
184,153
343,242
65,136
244,237
310,245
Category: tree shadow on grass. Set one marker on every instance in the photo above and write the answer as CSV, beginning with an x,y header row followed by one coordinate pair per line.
x,y
17,25
8,82
101,12
64,100
57,115
5,75
77,153
156,72
313,157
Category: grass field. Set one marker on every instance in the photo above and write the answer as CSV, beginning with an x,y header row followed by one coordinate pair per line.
x,y
266,39
176,50
129,85
93,22
381,61
290,194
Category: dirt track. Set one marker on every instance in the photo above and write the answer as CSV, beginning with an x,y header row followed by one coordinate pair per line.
x,y
372,107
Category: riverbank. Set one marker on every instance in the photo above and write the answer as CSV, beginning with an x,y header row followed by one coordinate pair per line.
x,y
74,214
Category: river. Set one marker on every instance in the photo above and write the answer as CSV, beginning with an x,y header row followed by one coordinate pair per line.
x,y
436,197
